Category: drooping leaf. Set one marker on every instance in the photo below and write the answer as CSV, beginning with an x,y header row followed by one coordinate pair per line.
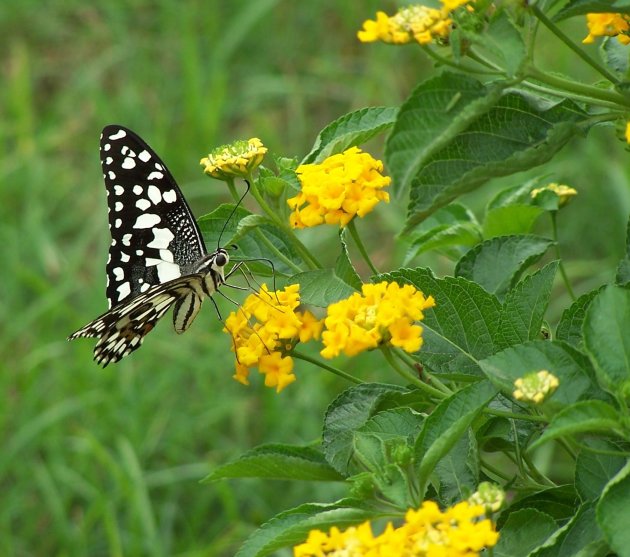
x,y
570,326
457,472
344,268
595,466
613,512
503,41
523,531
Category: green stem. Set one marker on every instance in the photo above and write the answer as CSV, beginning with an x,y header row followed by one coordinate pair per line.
x,y
563,272
411,364
575,87
432,391
279,255
536,474
571,95
556,31
359,243
447,62
494,470
331,369
232,188
515,415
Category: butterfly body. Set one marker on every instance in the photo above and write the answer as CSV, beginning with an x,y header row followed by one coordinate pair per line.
x,y
157,257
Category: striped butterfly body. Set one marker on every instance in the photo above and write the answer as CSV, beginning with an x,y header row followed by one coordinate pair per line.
x,y
157,257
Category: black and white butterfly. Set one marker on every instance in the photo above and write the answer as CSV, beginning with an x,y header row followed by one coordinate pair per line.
x,y
157,257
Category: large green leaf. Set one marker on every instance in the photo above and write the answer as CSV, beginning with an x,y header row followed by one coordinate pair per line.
x,y
510,219
558,502
606,337
436,112
523,531
461,329
570,327
457,473
623,270
447,424
496,264
292,527
321,287
519,132
595,466
503,42
613,512
351,129
279,462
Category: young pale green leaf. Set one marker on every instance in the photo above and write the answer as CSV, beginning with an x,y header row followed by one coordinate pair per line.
x,y
613,512
457,473
278,462
351,129
580,537
511,219
504,43
497,264
524,531
348,412
344,268
447,424
588,416
518,133
461,329
292,527
570,327
595,466
321,287
572,368
436,112
583,7
525,306
606,337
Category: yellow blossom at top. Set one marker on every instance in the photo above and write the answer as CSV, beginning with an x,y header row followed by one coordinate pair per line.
x,y
564,193
265,329
237,159
608,25
382,313
337,189
414,23
459,531
536,386
490,496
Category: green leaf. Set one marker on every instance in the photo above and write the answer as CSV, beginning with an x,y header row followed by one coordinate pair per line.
x,y
344,268
616,56
518,133
292,527
351,129
496,264
613,512
572,368
511,219
596,466
504,43
588,416
462,327
570,326
515,195
321,287
447,424
349,411
457,472
583,7
606,337
525,306
623,270
437,111
523,531
558,502
580,537
278,462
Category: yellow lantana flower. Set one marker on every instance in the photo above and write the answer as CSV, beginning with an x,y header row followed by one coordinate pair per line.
x,y
489,495
564,193
265,329
459,531
237,159
627,133
608,25
382,313
337,189
535,387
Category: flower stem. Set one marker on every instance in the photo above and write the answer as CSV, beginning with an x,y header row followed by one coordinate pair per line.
x,y
359,243
411,363
325,366
563,272
409,377
556,31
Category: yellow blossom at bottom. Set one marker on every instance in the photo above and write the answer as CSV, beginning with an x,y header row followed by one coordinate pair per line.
x,y
458,531
265,329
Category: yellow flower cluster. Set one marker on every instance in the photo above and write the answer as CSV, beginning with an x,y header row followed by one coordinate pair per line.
x,y
608,25
627,133
237,159
265,329
382,313
490,496
337,189
565,193
459,531
535,387
414,23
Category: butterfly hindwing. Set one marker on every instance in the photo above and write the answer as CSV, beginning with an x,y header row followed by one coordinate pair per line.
x,y
155,238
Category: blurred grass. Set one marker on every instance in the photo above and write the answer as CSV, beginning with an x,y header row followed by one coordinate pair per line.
x,y
108,462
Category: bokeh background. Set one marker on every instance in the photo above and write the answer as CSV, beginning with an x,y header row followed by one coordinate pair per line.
x,y
109,462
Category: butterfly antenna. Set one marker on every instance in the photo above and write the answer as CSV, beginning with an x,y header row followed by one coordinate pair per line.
x,y
232,213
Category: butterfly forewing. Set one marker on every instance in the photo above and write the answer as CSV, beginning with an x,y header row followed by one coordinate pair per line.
x,y
155,238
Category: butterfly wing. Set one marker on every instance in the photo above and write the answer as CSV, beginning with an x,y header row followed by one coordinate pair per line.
x,y
155,238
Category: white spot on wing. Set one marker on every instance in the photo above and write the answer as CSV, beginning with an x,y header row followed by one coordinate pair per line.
x,y
144,156
109,160
162,237
126,239
169,196
123,290
118,135
117,223
118,206
119,274
154,194
128,163
147,220
124,257
155,176
166,270
137,189
107,147
111,175
145,287
119,190
143,204
166,255
139,252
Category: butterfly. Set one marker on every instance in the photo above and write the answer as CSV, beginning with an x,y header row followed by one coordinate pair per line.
x,y
157,257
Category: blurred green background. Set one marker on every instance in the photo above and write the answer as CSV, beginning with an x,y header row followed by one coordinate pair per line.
x,y
108,462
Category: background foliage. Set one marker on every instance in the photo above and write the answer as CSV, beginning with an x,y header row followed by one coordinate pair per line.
x,y
108,462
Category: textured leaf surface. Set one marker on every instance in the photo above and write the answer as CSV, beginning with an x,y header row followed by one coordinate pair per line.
x,y
511,219
523,531
593,470
570,326
613,512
